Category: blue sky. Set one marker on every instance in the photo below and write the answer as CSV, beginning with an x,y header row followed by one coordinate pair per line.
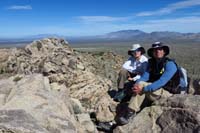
x,y
93,17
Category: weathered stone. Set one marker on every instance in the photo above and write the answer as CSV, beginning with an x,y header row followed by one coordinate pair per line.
x,y
103,112
55,59
89,89
87,124
57,87
77,106
144,122
33,94
80,66
6,86
42,56
179,120
105,64
179,113
2,99
18,121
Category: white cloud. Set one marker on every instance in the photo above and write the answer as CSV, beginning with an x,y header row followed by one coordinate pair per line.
x,y
171,8
185,20
182,24
193,14
20,7
102,18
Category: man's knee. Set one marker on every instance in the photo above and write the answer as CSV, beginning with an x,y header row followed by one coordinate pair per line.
x,y
143,83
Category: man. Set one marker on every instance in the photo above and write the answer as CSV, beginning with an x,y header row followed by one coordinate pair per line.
x,y
160,80
132,69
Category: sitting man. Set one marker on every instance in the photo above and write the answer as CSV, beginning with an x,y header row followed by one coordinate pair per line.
x,y
160,80
132,69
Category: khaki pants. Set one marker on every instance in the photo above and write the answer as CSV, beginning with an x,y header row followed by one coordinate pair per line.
x,y
137,100
122,77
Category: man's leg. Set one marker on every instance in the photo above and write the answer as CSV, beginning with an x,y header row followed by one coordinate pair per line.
x,y
137,100
123,74
156,95
133,107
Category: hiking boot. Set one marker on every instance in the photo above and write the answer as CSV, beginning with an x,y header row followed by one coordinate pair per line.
x,y
123,120
106,126
119,96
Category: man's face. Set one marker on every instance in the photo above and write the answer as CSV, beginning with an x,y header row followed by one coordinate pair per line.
x,y
137,53
158,53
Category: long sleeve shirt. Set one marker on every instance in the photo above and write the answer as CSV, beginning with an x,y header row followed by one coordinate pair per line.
x,y
136,66
170,70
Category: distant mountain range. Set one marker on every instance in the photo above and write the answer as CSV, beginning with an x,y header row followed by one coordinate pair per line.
x,y
142,37
122,35
27,38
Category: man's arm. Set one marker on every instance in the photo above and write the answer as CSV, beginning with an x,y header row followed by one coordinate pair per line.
x,y
127,65
169,72
145,74
142,71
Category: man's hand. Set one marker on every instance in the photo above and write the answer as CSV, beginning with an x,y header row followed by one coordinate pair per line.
x,y
137,88
130,79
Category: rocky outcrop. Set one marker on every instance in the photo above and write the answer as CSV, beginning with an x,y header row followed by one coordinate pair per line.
x,y
105,64
18,121
57,61
30,105
43,56
4,55
179,113
56,86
